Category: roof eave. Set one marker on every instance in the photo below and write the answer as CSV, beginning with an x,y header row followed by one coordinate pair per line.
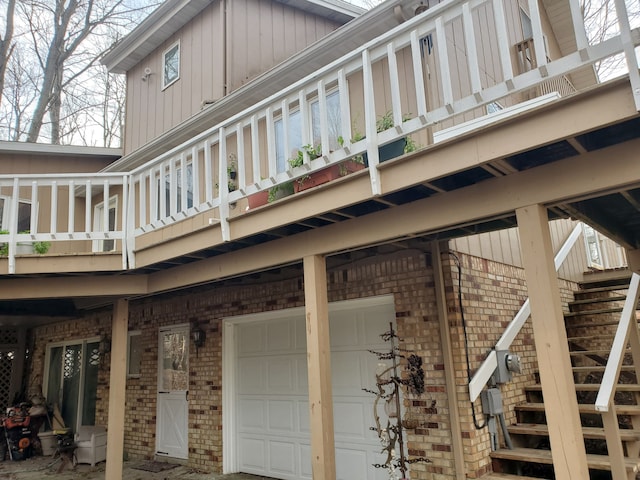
x,y
172,15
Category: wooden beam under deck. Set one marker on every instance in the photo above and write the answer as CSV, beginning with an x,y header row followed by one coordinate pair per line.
x,y
579,176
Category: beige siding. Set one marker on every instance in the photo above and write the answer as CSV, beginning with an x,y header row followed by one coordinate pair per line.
x,y
260,34
504,246
259,41
152,110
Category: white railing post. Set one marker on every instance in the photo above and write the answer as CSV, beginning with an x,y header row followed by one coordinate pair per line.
x,y
614,362
13,224
54,208
629,50
370,123
223,185
72,208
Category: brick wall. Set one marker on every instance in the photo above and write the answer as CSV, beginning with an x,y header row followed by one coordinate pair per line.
x,y
492,293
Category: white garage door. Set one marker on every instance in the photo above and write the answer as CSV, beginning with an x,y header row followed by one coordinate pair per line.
x,y
272,412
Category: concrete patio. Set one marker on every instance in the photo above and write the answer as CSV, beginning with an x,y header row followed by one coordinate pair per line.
x,y
39,467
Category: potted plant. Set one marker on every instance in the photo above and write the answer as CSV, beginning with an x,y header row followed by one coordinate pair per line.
x,y
326,174
23,248
280,191
393,149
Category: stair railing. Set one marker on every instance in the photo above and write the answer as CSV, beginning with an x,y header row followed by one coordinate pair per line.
x,y
626,334
483,374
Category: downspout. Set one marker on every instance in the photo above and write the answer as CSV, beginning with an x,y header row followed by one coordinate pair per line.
x,y
225,44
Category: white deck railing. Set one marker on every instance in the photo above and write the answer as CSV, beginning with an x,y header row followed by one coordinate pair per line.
x,y
341,100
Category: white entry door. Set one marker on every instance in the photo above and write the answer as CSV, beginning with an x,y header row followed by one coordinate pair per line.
x,y
270,400
173,383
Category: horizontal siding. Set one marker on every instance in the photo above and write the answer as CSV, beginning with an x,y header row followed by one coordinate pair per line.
x,y
504,246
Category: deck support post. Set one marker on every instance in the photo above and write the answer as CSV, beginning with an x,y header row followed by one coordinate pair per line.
x,y
323,458
449,370
556,376
117,390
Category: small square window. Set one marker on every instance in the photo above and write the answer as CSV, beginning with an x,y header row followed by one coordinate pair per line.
x,y
171,65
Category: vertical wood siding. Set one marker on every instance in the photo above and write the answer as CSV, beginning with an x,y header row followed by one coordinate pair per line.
x,y
260,33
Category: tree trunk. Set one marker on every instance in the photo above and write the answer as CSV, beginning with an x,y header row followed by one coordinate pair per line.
x,y
5,44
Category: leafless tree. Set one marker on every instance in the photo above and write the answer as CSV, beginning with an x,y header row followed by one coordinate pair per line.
x,y
6,45
61,42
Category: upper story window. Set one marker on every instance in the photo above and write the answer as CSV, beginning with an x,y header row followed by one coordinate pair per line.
x,y
171,65
295,130
24,214
527,28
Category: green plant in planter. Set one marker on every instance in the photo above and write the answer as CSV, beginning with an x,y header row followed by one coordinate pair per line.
x,y
280,191
313,152
38,247
298,160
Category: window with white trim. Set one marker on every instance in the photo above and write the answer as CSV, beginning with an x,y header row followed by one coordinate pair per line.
x,y
295,130
108,245
171,65
24,214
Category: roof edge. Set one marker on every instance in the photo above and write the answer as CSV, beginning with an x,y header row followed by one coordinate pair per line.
x,y
116,59
26,148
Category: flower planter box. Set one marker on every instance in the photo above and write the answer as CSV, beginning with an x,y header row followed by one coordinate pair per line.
x,y
389,151
326,175
258,199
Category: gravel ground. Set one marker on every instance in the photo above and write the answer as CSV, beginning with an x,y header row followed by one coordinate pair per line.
x,y
41,468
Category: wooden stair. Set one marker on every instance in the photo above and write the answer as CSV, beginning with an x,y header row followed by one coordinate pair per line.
x,y
590,324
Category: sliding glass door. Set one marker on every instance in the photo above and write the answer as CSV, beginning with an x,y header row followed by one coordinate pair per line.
x,y
72,380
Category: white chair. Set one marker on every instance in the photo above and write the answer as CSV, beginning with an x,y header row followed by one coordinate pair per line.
x,y
91,444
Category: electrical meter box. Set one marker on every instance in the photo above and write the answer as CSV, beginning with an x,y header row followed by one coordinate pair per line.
x,y
491,401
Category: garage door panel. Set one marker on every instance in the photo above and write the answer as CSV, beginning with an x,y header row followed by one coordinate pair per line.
x,y
252,376
346,372
351,420
281,336
344,329
283,457
253,416
282,416
305,460
281,379
251,339
283,421
255,462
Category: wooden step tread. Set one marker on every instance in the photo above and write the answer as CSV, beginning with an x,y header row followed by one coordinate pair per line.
x,y
595,462
507,476
592,387
626,435
587,301
607,288
599,353
600,368
587,338
582,408
592,312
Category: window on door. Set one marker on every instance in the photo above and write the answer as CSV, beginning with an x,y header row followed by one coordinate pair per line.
x,y
72,380
107,245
